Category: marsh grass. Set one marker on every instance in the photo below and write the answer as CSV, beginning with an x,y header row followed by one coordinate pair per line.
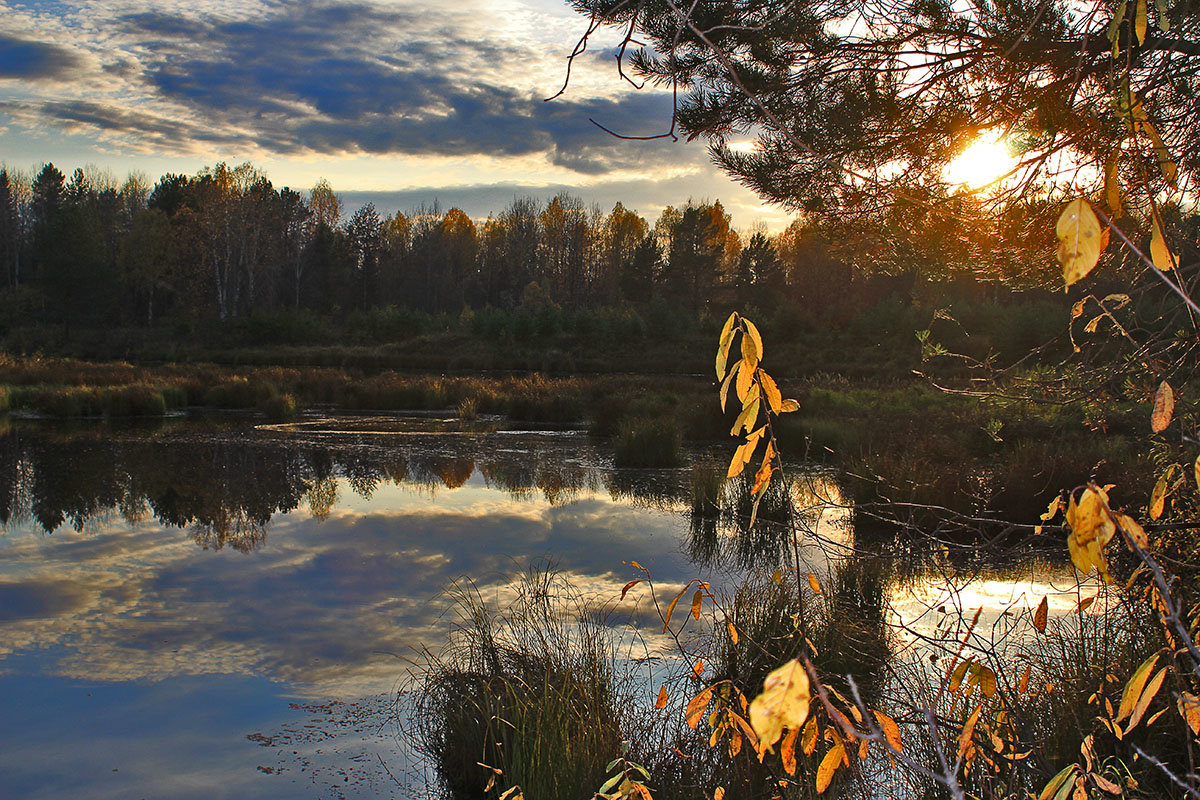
x,y
648,443
540,690
280,407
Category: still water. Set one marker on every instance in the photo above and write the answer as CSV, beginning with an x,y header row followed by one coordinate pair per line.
x,y
212,608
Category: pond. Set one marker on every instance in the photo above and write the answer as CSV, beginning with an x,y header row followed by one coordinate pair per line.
x,y
209,607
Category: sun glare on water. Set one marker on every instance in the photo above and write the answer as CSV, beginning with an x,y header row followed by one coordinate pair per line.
x,y
985,160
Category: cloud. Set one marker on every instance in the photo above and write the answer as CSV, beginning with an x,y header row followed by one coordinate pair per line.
x,y
22,59
335,78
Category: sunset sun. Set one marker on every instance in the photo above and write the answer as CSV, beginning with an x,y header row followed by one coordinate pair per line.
x,y
984,161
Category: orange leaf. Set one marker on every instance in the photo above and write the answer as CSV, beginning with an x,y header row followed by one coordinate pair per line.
x,y
890,730
1143,702
1039,616
1084,604
829,765
733,634
696,707
787,751
697,601
662,697
698,669
964,738
1164,407
629,586
771,390
813,584
808,742
671,607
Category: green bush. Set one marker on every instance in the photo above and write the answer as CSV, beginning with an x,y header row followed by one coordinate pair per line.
x,y
133,401
75,401
648,443
533,691
280,407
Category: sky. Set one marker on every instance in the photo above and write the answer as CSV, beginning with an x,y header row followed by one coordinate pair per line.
x,y
398,102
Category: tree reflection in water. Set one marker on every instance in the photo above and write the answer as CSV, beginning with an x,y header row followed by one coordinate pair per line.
x,y
225,488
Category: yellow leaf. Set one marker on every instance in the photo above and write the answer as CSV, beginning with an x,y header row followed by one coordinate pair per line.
x,y
774,398
696,706
671,608
1196,471
662,697
1052,509
697,603
1039,616
787,751
1160,254
738,463
1139,21
733,634
1143,702
1164,407
1158,498
754,338
1063,778
1077,308
788,406
749,353
745,379
986,680
783,703
1112,185
1166,165
964,738
813,584
1093,323
1136,532
1189,709
1091,530
956,677
1079,240
1121,300
829,765
726,383
727,329
726,339
1133,689
747,418
891,730
808,740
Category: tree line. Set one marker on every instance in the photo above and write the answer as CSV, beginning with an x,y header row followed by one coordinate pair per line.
x,y
227,243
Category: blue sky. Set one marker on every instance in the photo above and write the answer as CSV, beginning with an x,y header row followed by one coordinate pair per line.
x,y
397,102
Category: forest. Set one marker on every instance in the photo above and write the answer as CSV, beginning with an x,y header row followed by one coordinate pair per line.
x,y
226,245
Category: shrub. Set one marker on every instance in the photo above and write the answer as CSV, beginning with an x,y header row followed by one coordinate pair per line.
x,y
280,407
133,401
648,443
75,401
533,691
467,409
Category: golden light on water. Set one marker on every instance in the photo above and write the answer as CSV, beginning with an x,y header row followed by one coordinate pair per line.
x,y
984,161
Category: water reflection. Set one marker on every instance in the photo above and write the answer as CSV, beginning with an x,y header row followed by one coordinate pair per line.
x,y
309,561
225,489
